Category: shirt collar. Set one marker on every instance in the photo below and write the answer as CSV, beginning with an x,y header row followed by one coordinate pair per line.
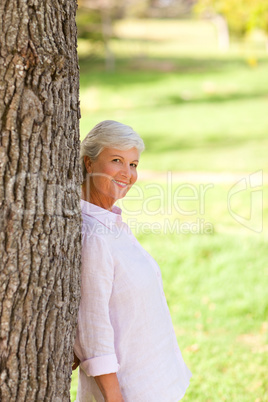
x,y
104,216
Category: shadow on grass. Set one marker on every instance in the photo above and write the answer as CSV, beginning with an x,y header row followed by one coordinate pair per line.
x,y
143,69
215,98
191,65
163,144
95,74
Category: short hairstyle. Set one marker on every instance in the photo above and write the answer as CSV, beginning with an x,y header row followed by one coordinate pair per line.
x,y
108,134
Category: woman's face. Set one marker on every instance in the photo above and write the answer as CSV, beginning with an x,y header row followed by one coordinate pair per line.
x,y
111,175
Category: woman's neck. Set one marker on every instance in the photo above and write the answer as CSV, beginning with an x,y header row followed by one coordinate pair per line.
x,y
95,198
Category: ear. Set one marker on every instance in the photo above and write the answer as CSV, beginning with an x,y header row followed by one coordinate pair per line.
x,y
88,163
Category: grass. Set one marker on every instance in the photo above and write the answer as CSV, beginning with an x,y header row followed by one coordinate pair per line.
x,y
210,119
204,114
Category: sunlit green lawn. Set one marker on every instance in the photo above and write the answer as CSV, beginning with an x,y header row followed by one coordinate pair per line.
x,y
199,112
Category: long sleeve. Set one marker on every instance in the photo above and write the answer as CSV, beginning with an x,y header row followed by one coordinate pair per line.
x,y
94,343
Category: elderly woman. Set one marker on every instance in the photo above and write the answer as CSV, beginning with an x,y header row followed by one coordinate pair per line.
x,y
125,340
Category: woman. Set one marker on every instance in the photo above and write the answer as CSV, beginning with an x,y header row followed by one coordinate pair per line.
x,y
125,339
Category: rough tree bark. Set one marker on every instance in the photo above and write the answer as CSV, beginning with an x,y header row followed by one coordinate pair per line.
x,y
39,198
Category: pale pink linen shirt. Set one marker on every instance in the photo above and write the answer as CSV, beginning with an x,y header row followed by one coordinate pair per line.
x,y
124,324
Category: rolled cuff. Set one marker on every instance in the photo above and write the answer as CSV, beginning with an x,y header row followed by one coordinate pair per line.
x,y
100,365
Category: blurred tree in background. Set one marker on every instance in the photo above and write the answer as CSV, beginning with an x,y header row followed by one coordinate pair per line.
x,y
95,18
240,16
259,17
159,8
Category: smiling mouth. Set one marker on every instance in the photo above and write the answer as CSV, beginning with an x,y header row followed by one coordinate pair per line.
x,y
120,183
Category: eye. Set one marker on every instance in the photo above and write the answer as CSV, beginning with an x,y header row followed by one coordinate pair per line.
x,y
134,165
116,160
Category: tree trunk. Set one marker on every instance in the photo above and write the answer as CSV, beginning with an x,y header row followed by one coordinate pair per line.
x,y
222,32
106,26
39,198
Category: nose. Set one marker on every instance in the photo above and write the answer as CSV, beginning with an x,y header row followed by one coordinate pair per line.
x,y
126,172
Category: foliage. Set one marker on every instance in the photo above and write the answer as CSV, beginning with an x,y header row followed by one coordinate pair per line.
x,y
259,16
116,7
89,25
138,8
241,15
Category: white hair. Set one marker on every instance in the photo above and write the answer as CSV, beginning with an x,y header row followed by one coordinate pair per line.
x,y
108,134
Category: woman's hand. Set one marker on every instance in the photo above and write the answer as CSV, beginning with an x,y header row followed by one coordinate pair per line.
x,y
76,362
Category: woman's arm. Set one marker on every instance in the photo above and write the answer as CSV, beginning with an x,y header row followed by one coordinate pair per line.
x,y
76,362
109,386
107,383
95,337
